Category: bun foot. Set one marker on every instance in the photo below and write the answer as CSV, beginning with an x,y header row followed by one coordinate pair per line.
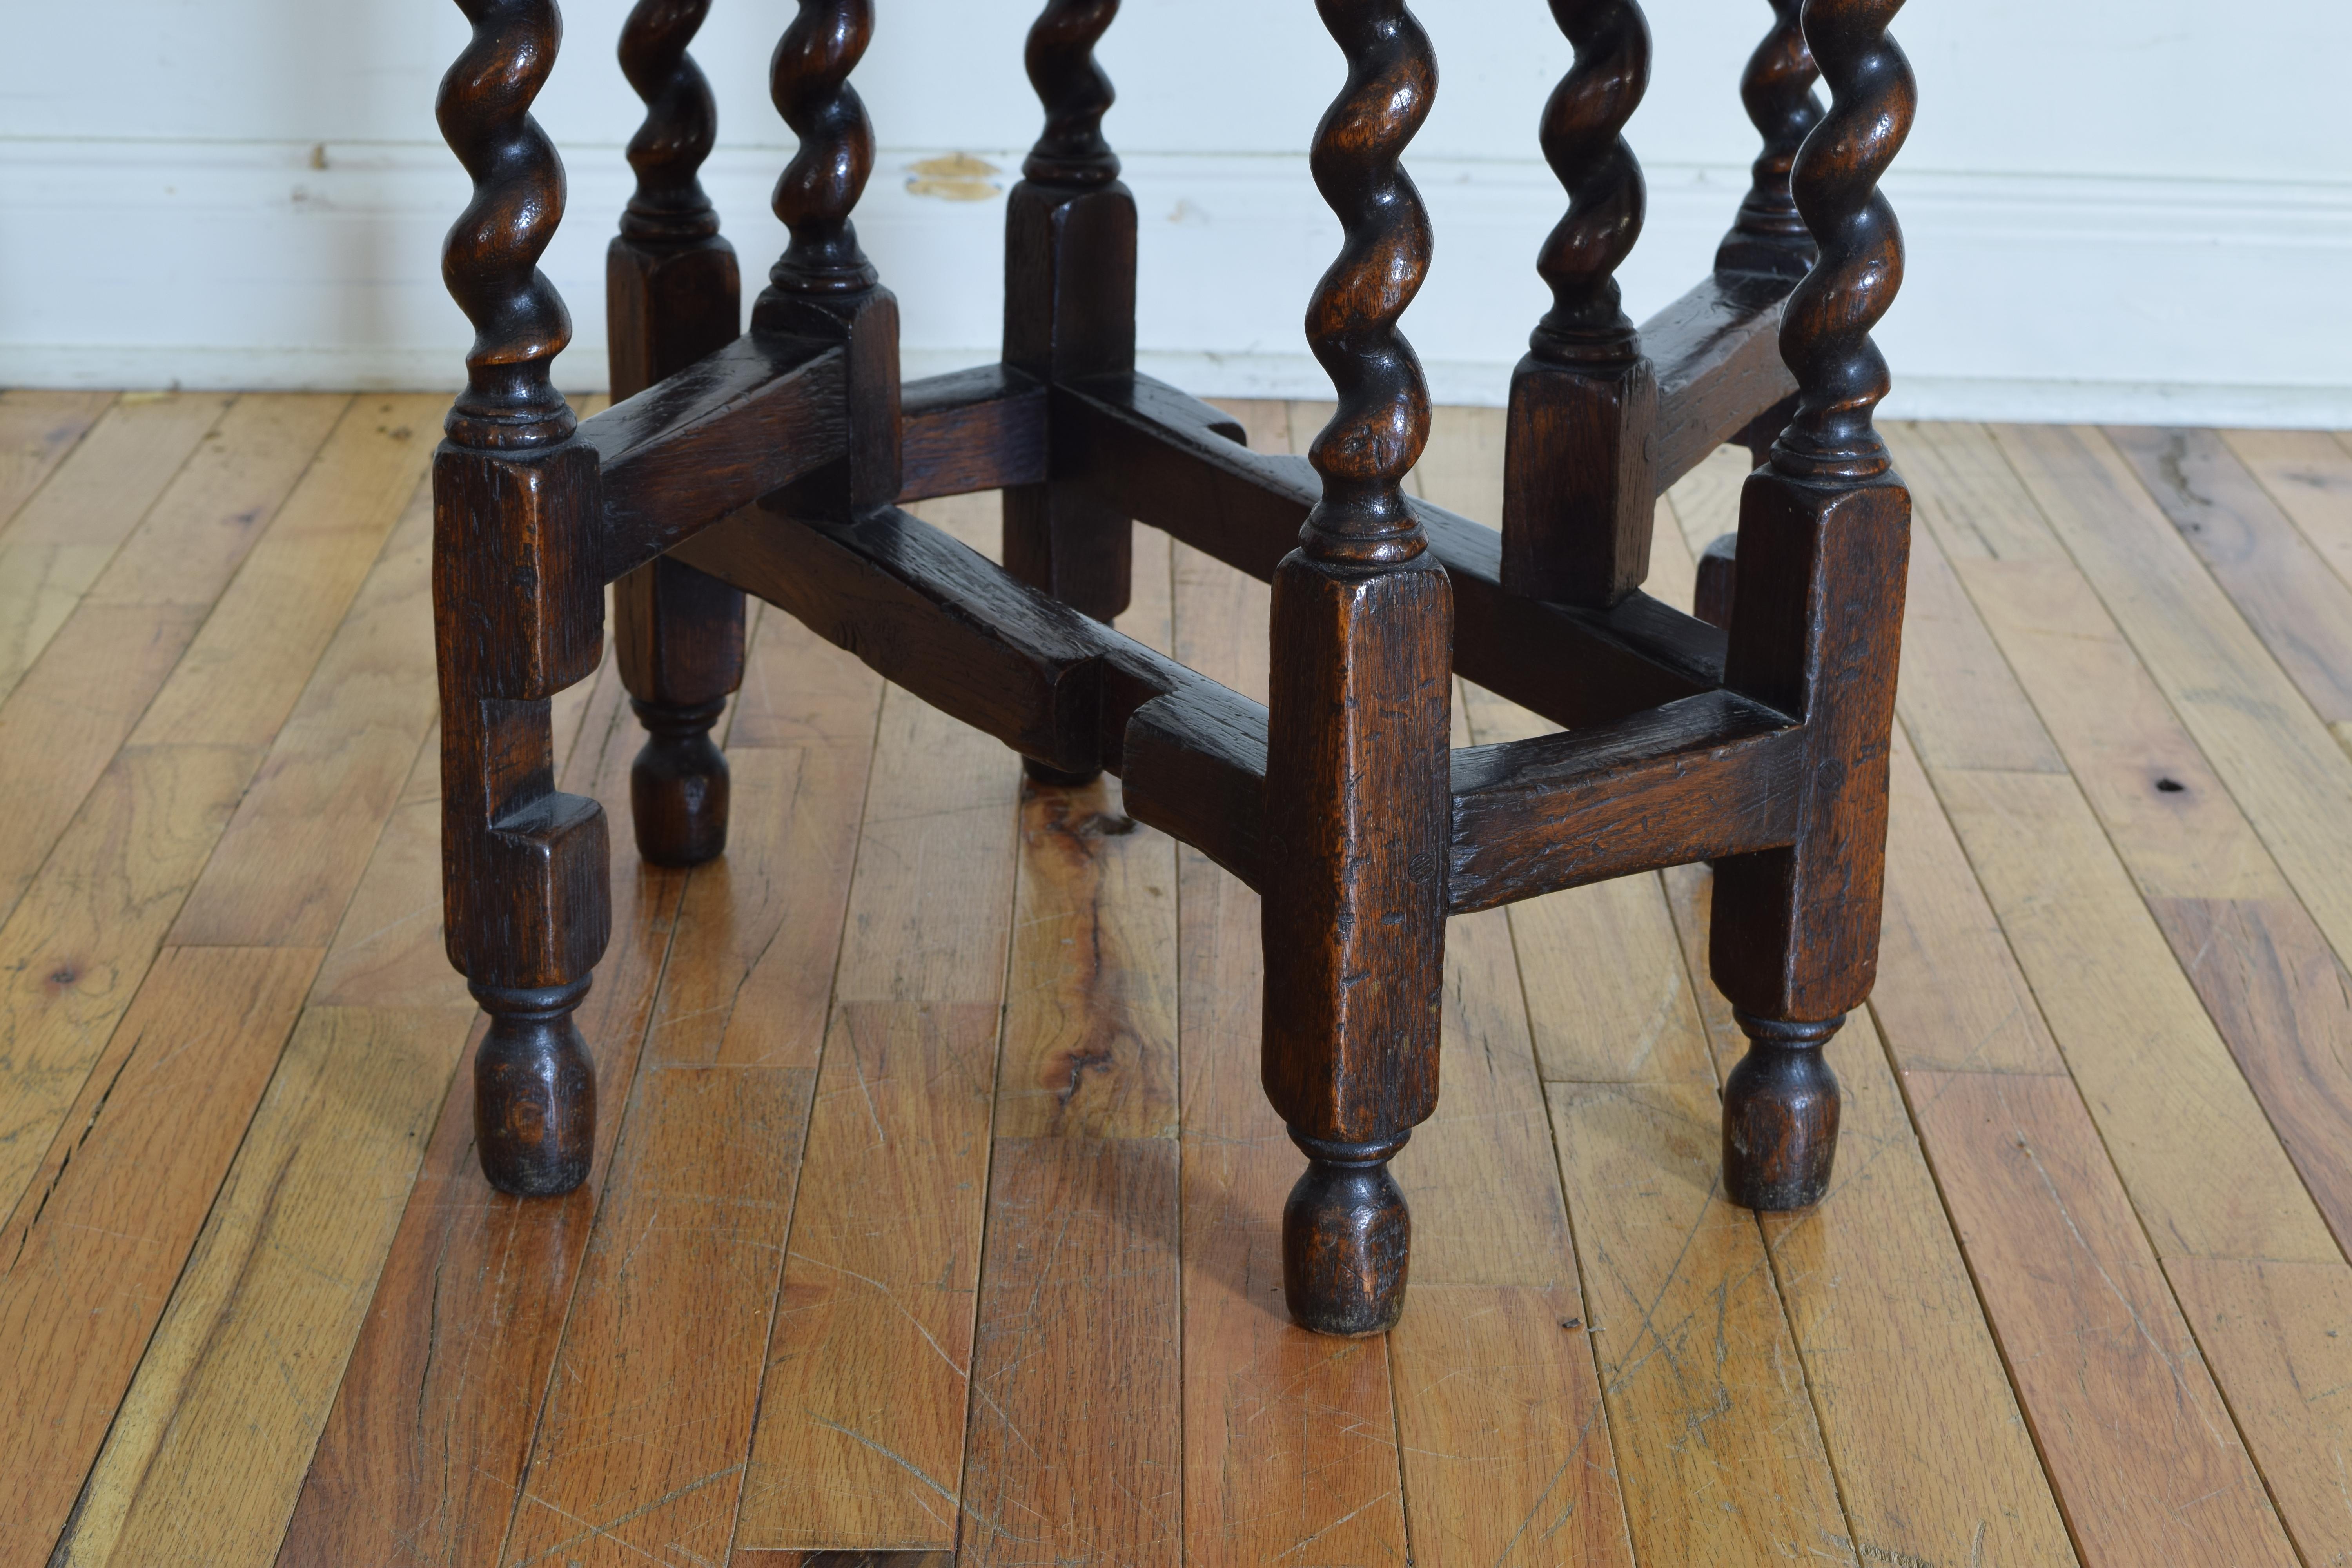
x,y
1347,1238
677,785
534,1091
1780,1116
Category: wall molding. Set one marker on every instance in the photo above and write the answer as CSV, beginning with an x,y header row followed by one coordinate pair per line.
x,y
2030,297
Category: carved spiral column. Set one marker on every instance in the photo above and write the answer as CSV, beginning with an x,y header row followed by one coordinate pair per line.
x,y
1069,309
517,610
809,79
1582,141
1577,492
1825,329
672,294
490,257
1382,422
1815,622
823,287
1357,768
1770,236
680,125
1060,58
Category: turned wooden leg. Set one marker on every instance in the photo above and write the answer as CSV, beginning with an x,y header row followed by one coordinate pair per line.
x,y
534,1090
1580,492
1355,914
1358,799
1779,1115
518,616
1813,624
518,609
1069,311
1347,1237
673,293
678,638
1825,539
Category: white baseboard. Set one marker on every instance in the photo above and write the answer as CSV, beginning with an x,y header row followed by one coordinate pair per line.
x,y
2030,297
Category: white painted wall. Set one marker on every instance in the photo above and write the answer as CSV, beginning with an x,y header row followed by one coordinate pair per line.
x,y
2135,212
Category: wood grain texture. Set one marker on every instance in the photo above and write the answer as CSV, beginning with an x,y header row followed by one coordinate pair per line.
x,y
1718,361
2168,1101
80,699
388,951
1950,993
861,1432
94,1247
60,540
1090,1002
2284,1003
2274,1336
1718,1449
691,1225
2170,816
675,1294
422,1457
1622,1011
2261,968
1506,1447
1960,700
244,670
37,430
73,955
718,434
287,866
1074,1453
2287,772
1887,1318
1290,1438
2273,575
206,1456
2308,473
2139,1446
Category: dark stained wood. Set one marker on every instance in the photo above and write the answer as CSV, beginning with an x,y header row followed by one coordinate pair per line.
x,y
517,615
1768,238
1245,508
1717,351
960,632
718,434
1354,923
1194,767
1754,734
1069,309
1578,492
1718,574
672,295
678,638
1824,535
980,429
1709,775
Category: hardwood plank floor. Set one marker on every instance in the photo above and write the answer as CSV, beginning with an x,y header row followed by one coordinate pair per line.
x,y
934,1213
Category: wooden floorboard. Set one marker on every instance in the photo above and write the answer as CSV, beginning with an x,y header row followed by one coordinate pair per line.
x,y
1290,1447
934,1214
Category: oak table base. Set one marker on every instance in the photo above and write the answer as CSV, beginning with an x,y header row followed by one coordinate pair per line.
x,y
776,462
